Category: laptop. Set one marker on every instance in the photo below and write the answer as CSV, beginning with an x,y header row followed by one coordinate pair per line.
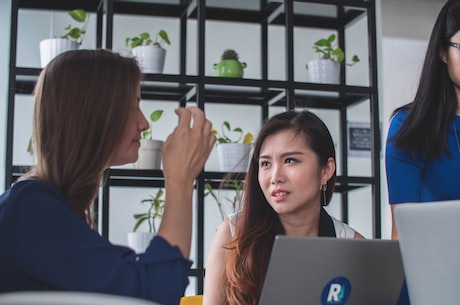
x,y
326,271
429,238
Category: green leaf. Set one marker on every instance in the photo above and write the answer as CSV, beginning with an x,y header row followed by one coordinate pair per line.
x,y
227,125
156,115
78,15
338,54
139,222
144,36
322,43
164,36
355,59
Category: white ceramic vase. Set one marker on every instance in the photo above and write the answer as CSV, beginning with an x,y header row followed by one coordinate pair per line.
x,y
233,157
149,154
323,71
151,59
50,48
139,241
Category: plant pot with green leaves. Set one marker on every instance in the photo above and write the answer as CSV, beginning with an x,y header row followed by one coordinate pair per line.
x,y
230,66
326,69
71,40
149,53
150,149
139,240
233,153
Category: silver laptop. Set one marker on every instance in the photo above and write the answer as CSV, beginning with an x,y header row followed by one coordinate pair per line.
x,y
429,238
324,270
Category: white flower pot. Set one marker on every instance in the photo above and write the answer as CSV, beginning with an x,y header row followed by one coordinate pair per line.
x,y
233,157
50,48
323,71
139,241
151,59
149,154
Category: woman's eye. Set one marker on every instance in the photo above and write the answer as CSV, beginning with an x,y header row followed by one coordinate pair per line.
x,y
290,160
264,163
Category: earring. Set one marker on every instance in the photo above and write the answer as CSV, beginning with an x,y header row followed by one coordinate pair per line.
x,y
323,189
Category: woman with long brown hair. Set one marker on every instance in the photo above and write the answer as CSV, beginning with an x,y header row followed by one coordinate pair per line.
x,y
291,176
87,118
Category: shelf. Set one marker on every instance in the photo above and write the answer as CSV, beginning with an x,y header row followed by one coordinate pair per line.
x,y
56,5
149,178
222,90
194,15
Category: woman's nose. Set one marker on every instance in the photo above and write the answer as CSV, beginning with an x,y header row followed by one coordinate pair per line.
x,y
143,124
277,175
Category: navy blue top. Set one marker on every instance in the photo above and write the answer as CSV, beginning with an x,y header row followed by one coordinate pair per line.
x,y
44,245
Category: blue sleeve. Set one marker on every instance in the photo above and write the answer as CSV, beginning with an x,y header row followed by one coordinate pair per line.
x,y
404,172
53,244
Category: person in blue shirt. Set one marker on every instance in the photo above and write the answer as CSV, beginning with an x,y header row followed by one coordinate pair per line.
x,y
422,155
86,119
423,143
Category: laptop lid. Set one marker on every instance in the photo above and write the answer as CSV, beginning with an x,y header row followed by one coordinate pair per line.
x,y
326,271
429,238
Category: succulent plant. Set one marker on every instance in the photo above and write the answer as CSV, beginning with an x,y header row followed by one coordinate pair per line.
x,y
229,54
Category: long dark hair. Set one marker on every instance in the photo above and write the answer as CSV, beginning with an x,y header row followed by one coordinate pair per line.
x,y
257,224
424,131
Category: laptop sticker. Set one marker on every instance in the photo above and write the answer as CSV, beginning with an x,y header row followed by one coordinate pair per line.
x,y
336,292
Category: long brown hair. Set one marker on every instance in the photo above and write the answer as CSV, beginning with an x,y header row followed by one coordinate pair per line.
x,y
81,101
257,224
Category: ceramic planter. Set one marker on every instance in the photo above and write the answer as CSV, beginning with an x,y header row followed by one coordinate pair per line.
x,y
50,48
323,71
139,241
229,68
233,157
149,154
151,59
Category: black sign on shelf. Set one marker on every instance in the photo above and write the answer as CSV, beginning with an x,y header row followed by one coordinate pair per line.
x,y
359,139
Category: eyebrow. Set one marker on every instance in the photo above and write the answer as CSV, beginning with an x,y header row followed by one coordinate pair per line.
x,y
286,154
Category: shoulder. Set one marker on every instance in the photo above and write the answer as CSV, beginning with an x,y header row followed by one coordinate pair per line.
x,y
342,230
398,118
29,192
30,201
225,231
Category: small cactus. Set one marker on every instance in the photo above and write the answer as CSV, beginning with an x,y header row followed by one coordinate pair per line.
x,y
229,54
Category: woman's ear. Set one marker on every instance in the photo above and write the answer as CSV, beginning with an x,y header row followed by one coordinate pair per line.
x,y
443,55
328,170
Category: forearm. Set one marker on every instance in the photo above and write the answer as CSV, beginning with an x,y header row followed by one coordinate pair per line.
x,y
176,223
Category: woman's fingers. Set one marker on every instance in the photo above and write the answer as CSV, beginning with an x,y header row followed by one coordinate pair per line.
x,y
188,147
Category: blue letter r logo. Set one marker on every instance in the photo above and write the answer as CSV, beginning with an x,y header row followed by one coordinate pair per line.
x,y
336,292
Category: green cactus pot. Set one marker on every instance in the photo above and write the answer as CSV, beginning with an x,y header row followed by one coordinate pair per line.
x,y
229,68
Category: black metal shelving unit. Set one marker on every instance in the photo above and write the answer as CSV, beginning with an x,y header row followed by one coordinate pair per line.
x,y
202,89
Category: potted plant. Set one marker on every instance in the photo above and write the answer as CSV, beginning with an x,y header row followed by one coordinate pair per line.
x,y
139,240
149,53
234,152
229,66
150,149
326,69
71,40
227,205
